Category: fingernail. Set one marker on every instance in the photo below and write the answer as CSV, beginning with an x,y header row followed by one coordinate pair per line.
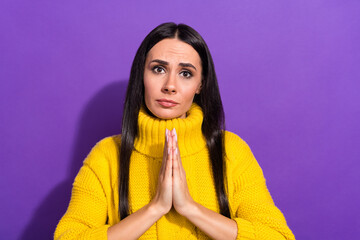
x,y
176,151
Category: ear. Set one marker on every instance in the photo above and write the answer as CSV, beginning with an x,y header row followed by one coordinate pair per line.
x,y
199,89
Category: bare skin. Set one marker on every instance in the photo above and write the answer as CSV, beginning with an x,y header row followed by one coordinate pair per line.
x,y
172,191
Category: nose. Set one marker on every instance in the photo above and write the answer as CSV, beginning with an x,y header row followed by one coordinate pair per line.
x,y
169,85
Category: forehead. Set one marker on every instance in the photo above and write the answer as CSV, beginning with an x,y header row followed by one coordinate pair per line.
x,y
174,50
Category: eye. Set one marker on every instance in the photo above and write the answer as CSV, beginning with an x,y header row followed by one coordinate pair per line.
x,y
158,69
186,74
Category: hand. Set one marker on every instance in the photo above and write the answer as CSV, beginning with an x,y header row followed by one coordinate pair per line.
x,y
181,197
163,196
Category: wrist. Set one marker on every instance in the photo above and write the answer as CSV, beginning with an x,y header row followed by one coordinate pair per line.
x,y
189,209
156,209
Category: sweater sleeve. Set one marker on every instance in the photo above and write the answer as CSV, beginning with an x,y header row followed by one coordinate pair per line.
x,y
255,213
86,215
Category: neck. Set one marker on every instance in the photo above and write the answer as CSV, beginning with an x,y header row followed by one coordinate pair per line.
x,y
151,133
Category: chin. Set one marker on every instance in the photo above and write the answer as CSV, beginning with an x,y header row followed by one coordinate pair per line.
x,y
167,116
165,113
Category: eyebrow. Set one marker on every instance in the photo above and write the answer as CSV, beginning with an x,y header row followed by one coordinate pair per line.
x,y
180,64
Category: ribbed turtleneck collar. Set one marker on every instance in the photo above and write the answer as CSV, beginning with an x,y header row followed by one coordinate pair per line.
x,y
151,134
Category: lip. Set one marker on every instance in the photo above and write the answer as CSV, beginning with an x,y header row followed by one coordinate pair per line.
x,y
167,103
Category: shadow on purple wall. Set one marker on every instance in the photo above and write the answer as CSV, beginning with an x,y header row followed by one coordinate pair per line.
x,y
100,118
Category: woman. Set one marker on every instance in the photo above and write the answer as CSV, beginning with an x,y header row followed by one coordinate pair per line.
x,y
174,172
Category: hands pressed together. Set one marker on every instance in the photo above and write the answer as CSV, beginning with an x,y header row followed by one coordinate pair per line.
x,y
172,189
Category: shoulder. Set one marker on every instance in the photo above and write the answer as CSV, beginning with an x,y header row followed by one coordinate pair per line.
x,y
234,145
109,143
105,151
238,154
231,138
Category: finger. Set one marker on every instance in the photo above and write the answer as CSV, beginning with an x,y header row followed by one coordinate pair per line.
x,y
165,153
173,139
175,142
174,153
178,151
166,146
169,160
167,139
180,166
170,139
176,167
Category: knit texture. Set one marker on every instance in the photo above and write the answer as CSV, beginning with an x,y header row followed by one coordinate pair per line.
x,y
94,200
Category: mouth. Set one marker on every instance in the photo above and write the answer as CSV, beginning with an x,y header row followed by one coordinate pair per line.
x,y
167,103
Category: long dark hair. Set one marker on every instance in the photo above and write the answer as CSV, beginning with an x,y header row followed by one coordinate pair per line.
x,y
209,100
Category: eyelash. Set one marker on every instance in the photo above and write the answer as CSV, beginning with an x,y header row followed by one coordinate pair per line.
x,y
156,68
187,72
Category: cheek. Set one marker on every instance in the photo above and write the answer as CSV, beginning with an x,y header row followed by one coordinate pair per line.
x,y
147,96
190,91
151,80
151,90
147,85
151,86
148,92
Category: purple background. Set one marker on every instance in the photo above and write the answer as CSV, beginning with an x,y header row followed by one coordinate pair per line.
x,y
289,78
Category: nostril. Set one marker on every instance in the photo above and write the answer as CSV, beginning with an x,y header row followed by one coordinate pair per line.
x,y
169,90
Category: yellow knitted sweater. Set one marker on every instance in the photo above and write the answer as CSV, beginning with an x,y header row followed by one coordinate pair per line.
x,y
94,202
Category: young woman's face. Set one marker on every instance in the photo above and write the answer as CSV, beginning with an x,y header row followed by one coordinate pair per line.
x,y
172,77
